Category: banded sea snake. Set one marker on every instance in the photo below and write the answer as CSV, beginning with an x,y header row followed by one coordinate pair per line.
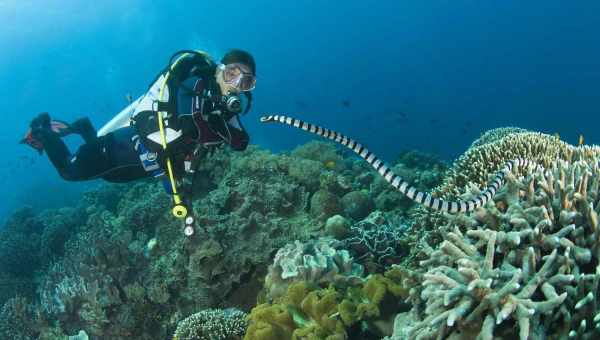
x,y
396,181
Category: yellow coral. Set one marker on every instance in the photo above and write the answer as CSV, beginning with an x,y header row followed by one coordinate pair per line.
x,y
307,312
269,322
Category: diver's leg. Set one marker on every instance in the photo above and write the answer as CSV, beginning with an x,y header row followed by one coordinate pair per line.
x,y
84,127
111,157
91,160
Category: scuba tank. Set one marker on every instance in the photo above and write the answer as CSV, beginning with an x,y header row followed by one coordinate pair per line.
x,y
122,119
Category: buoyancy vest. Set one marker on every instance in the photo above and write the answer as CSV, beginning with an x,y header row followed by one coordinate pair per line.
x,y
161,100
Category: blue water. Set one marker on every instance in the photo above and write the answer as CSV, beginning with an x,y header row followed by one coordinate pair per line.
x,y
427,75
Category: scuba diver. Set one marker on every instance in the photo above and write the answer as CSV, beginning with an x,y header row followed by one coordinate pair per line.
x,y
192,107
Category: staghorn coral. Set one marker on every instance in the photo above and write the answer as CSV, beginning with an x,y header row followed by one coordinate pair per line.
x,y
317,262
529,259
212,324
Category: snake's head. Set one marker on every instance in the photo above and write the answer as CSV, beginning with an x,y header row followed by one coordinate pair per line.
x,y
269,118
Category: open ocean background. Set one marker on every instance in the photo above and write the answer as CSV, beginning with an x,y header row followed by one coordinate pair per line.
x,y
424,75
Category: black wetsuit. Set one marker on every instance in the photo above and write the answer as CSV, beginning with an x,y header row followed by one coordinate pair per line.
x,y
115,157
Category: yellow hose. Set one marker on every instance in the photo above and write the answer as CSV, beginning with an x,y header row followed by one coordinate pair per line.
x,y
179,210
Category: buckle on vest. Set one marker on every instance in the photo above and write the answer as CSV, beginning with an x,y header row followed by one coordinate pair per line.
x,y
157,105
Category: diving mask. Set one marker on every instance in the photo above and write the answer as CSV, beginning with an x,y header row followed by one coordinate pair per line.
x,y
236,75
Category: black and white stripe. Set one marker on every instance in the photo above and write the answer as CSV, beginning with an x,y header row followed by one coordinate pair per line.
x,y
397,181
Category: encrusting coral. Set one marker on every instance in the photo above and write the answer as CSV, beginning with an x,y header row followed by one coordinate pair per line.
x,y
526,265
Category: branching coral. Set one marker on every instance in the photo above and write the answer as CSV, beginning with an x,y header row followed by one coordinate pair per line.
x,y
529,259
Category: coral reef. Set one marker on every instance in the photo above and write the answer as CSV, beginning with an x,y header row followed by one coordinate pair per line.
x,y
523,266
118,266
212,324
16,320
316,262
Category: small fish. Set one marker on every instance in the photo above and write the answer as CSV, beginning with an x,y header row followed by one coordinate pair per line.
x,y
129,98
301,104
330,165
402,114
581,141
346,103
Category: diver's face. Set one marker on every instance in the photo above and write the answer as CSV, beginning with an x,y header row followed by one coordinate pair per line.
x,y
234,78
225,88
